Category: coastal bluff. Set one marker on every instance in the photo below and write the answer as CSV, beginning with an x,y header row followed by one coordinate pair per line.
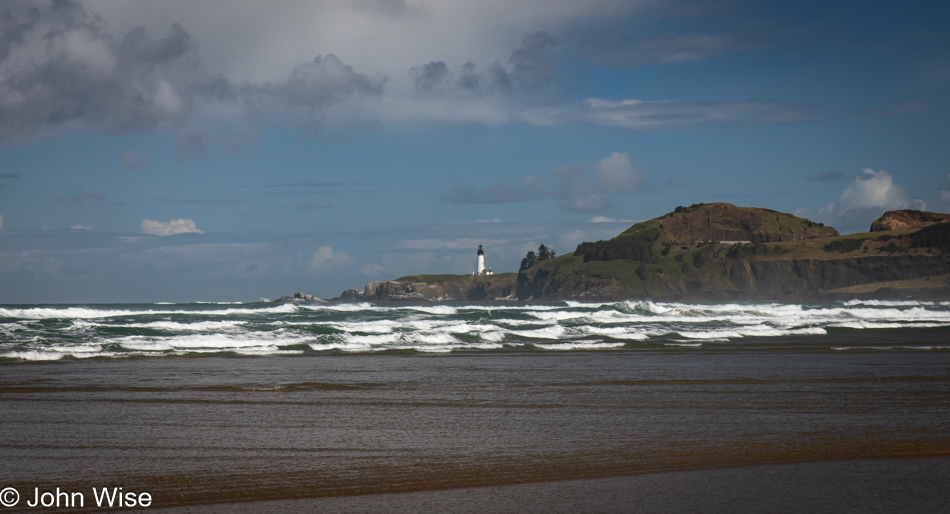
x,y
715,252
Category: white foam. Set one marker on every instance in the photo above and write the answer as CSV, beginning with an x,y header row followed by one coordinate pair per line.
x,y
578,345
552,332
887,303
92,313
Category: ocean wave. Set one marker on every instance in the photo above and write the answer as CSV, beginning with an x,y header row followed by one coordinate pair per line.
x,y
43,332
98,313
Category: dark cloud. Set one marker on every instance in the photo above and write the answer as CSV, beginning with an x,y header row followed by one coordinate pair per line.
x,y
87,76
431,75
496,78
529,62
529,67
79,199
826,176
13,30
311,92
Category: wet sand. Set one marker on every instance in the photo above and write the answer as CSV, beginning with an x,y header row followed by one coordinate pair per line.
x,y
912,485
573,431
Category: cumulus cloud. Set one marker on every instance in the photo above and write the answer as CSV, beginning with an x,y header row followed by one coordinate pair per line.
x,y
873,189
124,67
529,65
431,75
63,68
80,227
169,228
60,68
600,219
865,198
580,187
314,93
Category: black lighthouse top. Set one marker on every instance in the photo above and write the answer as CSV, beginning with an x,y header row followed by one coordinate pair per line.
x,y
480,251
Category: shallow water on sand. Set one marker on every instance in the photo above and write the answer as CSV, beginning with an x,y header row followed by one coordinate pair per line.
x,y
217,430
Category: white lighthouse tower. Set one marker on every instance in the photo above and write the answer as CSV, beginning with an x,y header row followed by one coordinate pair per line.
x,y
480,263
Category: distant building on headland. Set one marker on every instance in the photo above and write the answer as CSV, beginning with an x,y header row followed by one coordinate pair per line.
x,y
480,264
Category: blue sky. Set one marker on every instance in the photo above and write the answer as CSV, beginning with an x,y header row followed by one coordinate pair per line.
x,y
229,151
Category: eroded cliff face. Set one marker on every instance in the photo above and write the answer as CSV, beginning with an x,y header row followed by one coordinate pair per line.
x,y
763,280
813,278
907,219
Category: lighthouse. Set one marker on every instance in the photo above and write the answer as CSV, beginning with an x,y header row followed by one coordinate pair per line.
x,y
480,263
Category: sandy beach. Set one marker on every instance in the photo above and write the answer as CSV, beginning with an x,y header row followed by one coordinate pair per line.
x,y
572,431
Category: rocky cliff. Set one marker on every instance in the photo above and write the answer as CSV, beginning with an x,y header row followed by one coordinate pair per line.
x,y
422,288
691,254
907,220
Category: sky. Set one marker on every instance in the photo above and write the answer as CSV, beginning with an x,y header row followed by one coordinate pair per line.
x,y
232,151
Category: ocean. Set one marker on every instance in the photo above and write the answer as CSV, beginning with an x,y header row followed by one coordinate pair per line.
x,y
561,407
53,332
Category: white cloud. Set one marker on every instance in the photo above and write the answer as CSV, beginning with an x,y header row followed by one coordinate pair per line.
x,y
326,257
330,66
617,174
169,228
873,189
865,198
600,219
254,41
80,227
633,114
1,221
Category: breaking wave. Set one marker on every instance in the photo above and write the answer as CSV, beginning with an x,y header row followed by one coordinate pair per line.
x,y
55,332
